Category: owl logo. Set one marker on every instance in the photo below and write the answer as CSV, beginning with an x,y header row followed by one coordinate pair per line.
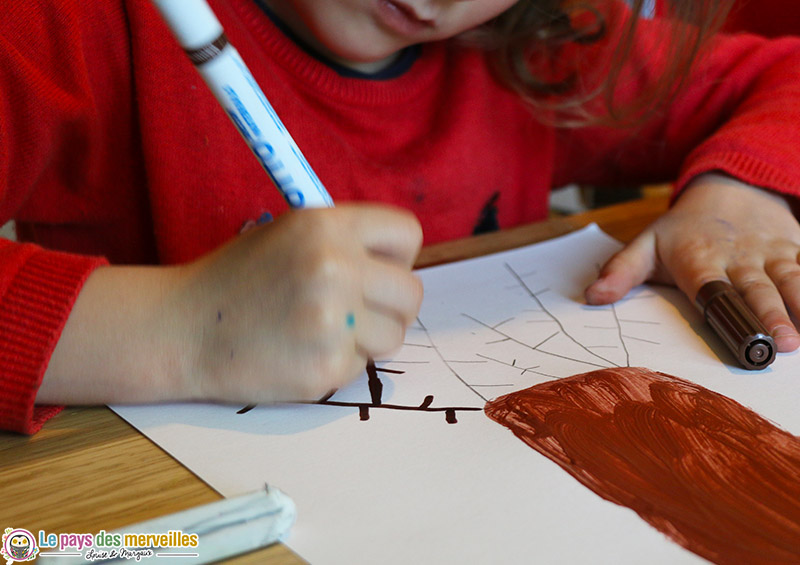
x,y
18,545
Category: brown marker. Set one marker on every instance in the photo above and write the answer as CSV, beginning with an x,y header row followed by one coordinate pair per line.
x,y
740,329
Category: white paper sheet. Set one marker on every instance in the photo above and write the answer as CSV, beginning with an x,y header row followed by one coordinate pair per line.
x,y
406,486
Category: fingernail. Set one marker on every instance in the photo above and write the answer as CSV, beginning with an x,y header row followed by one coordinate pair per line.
x,y
595,293
598,283
784,331
786,339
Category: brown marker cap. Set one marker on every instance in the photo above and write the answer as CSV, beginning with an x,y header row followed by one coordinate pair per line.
x,y
737,326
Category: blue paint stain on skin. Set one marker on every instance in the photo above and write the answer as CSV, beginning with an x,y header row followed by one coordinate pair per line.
x,y
351,320
264,218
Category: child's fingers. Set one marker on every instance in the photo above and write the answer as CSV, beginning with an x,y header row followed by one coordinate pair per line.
x,y
628,268
387,232
378,334
691,270
765,300
785,273
393,290
391,301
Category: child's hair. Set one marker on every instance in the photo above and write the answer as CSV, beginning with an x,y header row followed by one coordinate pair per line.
x,y
525,43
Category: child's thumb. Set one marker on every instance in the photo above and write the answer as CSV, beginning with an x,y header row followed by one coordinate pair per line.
x,y
630,267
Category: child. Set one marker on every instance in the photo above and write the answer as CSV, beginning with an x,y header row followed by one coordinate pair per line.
x,y
113,151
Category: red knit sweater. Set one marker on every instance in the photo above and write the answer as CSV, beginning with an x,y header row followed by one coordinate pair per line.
x,y
770,18
112,149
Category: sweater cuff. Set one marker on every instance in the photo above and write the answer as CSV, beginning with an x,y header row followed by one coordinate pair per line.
x,y
745,168
37,299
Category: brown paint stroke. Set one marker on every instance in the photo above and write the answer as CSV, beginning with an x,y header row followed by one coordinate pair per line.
x,y
712,475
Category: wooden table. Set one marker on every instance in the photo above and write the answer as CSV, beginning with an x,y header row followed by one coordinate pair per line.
x,y
88,470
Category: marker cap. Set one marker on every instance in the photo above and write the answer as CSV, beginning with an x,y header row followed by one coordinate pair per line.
x,y
743,333
192,22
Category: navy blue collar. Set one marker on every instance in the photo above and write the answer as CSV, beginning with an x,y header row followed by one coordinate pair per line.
x,y
398,67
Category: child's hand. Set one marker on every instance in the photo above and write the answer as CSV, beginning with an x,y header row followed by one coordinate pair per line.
x,y
293,309
718,229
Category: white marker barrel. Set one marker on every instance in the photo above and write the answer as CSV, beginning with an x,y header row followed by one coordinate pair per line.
x,y
200,34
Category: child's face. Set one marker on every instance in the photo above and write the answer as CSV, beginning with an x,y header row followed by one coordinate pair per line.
x,y
366,34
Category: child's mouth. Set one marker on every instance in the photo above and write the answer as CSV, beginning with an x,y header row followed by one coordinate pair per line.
x,y
401,18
